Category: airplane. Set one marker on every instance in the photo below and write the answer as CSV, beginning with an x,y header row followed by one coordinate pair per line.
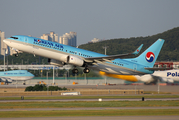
x,y
168,76
15,75
61,54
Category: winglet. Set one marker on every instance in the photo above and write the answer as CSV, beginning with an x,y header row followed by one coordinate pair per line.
x,y
137,50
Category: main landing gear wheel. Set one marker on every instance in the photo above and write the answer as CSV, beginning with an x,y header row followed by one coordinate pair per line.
x,y
86,70
75,71
16,55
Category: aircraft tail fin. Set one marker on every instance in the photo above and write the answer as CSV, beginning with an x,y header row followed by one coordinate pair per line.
x,y
149,56
137,50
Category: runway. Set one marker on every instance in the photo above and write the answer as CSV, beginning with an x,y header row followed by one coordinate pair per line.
x,y
88,108
99,118
168,88
106,99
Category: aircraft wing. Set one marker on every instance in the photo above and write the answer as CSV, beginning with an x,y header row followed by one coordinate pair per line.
x,y
112,57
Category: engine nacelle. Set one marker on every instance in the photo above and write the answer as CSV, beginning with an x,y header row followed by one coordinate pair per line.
x,y
56,62
168,80
75,61
7,80
147,78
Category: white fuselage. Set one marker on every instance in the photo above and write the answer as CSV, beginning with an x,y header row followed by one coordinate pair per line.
x,y
172,74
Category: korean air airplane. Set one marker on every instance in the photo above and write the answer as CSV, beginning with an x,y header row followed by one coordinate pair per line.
x,y
168,76
15,75
60,54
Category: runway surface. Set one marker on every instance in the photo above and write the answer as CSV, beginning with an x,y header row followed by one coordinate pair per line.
x,y
167,88
100,118
87,108
105,99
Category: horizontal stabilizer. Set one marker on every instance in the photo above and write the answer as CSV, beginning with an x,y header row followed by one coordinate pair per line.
x,y
158,68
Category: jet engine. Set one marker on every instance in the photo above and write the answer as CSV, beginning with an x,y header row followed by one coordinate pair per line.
x,y
167,80
147,78
75,61
56,62
6,80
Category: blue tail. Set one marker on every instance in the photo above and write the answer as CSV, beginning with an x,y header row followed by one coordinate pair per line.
x,y
149,56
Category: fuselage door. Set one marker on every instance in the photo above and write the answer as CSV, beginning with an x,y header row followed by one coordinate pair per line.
x,y
134,67
25,39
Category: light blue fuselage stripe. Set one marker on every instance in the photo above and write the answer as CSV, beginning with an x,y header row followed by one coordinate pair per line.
x,y
15,73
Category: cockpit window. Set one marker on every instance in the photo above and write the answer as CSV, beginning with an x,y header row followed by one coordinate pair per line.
x,y
14,37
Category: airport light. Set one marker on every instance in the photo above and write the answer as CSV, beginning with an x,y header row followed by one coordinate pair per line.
x,y
158,86
4,56
105,47
53,76
66,77
47,82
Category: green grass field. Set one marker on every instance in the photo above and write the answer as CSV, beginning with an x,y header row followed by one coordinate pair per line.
x,y
81,104
137,112
89,97
16,105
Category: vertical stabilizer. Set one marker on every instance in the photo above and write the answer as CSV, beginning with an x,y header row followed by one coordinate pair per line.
x,y
149,56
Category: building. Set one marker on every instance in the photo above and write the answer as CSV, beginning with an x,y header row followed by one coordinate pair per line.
x,y
167,64
67,38
50,37
2,44
56,38
45,36
95,40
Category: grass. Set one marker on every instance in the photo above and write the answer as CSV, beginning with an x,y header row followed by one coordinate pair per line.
x,y
90,97
141,112
16,105
77,104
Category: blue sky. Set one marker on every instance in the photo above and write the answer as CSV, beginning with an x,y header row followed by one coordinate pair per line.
x,y
103,19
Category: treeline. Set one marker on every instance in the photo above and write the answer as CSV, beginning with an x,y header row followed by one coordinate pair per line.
x,y
43,87
24,59
169,52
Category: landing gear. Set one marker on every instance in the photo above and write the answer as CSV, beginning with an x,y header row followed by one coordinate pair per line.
x,y
75,71
16,55
86,70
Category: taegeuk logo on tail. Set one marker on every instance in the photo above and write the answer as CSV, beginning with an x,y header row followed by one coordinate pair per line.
x,y
150,57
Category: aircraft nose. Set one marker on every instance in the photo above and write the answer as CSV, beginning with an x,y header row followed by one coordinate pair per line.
x,y
31,75
5,40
